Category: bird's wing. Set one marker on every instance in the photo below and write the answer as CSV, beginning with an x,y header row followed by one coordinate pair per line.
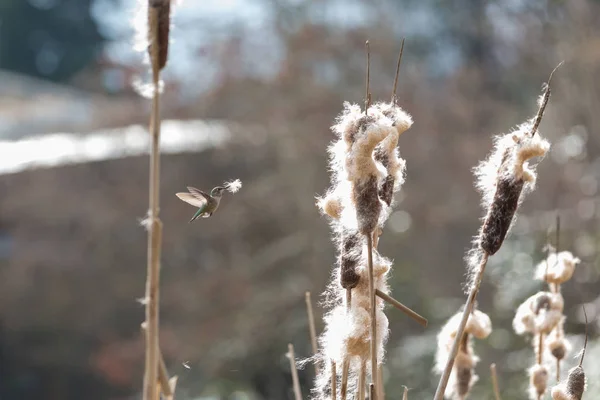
x,y
199,193
193,200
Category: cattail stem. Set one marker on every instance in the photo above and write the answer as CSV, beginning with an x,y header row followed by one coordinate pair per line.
x,y
373,309
345,372
380,388
311,327
371,391
348,298
362,378
405,394
439,394
155,225
495,382
295,380
394,97
163,376
333,381
558,370
418,318
540,349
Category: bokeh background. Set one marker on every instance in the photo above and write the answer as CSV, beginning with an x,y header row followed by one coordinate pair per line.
x,y
250,91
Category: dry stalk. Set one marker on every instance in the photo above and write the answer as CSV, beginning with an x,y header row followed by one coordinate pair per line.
x,y
495,382
373,301
345,372
406,310
295,381
155,225
439,394
362,379
394,97
333,381
311,327
380,388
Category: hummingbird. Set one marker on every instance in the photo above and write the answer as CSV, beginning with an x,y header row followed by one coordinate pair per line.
x,y
207,203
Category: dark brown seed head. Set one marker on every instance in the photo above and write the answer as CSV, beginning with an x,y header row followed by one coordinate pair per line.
x,y
500,214
163,10
351,246
463,380
368,206
542,302
356,128
559,351
386,191
576,382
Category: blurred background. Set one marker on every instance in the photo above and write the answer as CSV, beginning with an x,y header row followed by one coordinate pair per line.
x,y
250,91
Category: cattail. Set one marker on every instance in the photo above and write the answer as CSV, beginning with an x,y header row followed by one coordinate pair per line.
x,y
463,376
538,381
540,313
557,268
163,21
350,256
576,382
503,178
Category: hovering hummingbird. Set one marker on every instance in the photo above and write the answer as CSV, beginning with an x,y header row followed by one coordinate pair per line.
x,y
207,203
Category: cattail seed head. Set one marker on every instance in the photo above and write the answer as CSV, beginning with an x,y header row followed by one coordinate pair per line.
x,y
163,21
350,255
540,313
557,268
573,388
502,179
368,206
558,348
538,381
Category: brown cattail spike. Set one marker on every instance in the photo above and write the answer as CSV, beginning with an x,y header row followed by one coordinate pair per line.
x,y
351,246
394,97
368,206
163,10
540,113
502,210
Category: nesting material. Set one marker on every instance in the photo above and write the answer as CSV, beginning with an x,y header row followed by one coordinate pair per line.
x,y
557,268
503,179
540,313
463,375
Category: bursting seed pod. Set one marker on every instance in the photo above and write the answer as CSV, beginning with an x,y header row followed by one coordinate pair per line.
x,y
350,255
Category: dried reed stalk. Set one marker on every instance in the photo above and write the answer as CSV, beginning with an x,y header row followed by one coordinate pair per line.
x,y
295,381
311,327
406,310
495,386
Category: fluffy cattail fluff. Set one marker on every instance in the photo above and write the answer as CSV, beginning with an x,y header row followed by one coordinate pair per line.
x,y
538,381
463,376
366,171
557,268
503,179
540,313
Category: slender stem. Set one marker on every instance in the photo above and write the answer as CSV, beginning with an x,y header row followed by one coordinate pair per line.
x,y
362,378
371,391
311,327
495,382
345,372
439,394
540,113
155,226
418,318
368,94
557,370
333,381
348,298
373,309
163,376
540,349
394,97
380,388
295,381
405,394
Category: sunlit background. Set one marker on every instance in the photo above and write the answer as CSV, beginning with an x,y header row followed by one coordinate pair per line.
x,y
250,91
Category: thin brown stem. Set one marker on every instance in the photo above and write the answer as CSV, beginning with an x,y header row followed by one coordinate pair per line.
x,y
311,327
558,370
394,97
418,318
540,349
405,394
348,298
295,380
380,388
155,225
439,394
345,372
333,381
373,305
540,113
362,381
371,391
163,377
368,93
495,386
